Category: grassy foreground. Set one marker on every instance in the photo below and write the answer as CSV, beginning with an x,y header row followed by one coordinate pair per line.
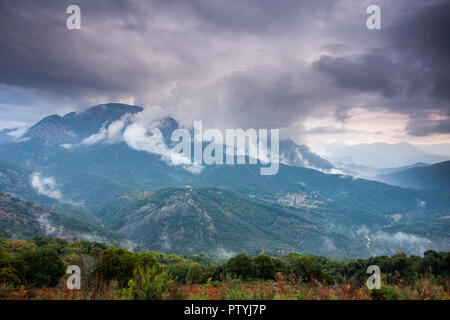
x,y
36,270
281,289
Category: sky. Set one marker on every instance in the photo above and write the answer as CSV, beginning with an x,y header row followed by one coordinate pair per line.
x,y
311,68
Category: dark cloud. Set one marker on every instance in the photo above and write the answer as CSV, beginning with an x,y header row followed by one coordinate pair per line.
x,y
422,40
409,68
110,56
369,72
256,17
262,97
243,63
421,36
423,124
426,127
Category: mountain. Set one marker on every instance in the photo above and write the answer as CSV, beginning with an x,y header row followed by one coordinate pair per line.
x,y
74,127
373,173
380,155
16,182
25,220
101,183
216,221
438,148
301,156
98,174
5,136
188,220
436,176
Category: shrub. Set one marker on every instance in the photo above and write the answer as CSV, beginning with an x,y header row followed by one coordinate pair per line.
x,y
385,293
42,267
235,294
117,264
17,247
8,271
8,275
148,284
428,289
147,260
195,273
178,270
309,269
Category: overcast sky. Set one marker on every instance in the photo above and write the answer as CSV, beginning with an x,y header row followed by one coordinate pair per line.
x,y
311,68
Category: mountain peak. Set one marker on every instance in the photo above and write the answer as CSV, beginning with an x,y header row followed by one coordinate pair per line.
x,y
301,156
112,107
50,118
73,127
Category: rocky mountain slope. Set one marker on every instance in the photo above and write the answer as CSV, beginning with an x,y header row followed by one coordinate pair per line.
x,y
100,183
25,220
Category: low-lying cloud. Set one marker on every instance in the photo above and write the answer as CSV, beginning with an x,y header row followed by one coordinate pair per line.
x,y
45,185
403,241
140,132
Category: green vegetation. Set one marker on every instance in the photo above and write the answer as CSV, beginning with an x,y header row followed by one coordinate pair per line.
x,y
196,273
41,267
117,273
149,283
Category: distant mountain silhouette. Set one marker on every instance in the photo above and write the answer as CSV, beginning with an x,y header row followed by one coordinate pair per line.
x,y
436,176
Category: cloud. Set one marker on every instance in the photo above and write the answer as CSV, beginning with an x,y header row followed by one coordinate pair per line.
x,y
426,126
365,73
325,130
403,241
421,37
259,97
109,132
363,230
18,132
140,132
45,185
139,137
251,63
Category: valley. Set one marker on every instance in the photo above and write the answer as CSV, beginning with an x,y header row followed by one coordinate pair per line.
x,y
223,209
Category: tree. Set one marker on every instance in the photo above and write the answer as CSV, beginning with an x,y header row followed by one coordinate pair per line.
x,y
178,270
309,269
5,258
117,264
146,259
17,247
42,267
264,266
8,274
400,263
241,266
195,273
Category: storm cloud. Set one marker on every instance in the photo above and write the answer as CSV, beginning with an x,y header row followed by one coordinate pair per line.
x,y
242,63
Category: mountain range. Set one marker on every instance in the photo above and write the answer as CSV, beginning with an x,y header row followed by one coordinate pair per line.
x,y
380,155
436,176
87,167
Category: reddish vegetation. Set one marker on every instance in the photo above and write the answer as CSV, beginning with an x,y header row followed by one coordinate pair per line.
x,y
279,290
287,289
